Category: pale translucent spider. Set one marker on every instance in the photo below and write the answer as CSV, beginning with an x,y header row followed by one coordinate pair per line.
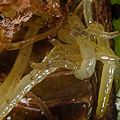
x,y
79,53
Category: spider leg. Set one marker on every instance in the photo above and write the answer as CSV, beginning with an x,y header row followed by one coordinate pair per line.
x,y
105,87
67,52
63,55
107,73
108,59
101,52
102,34
102,37
54,63
87,12
64,51
42,106
103,41
23,87
89,61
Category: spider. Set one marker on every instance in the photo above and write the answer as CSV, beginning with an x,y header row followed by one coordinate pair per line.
x,y
79,53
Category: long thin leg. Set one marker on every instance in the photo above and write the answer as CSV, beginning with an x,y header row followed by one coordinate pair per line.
x,y
63,55
108,60
105,87
104,42
102,53
102,34
87,13
42,106
23,87
54,63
